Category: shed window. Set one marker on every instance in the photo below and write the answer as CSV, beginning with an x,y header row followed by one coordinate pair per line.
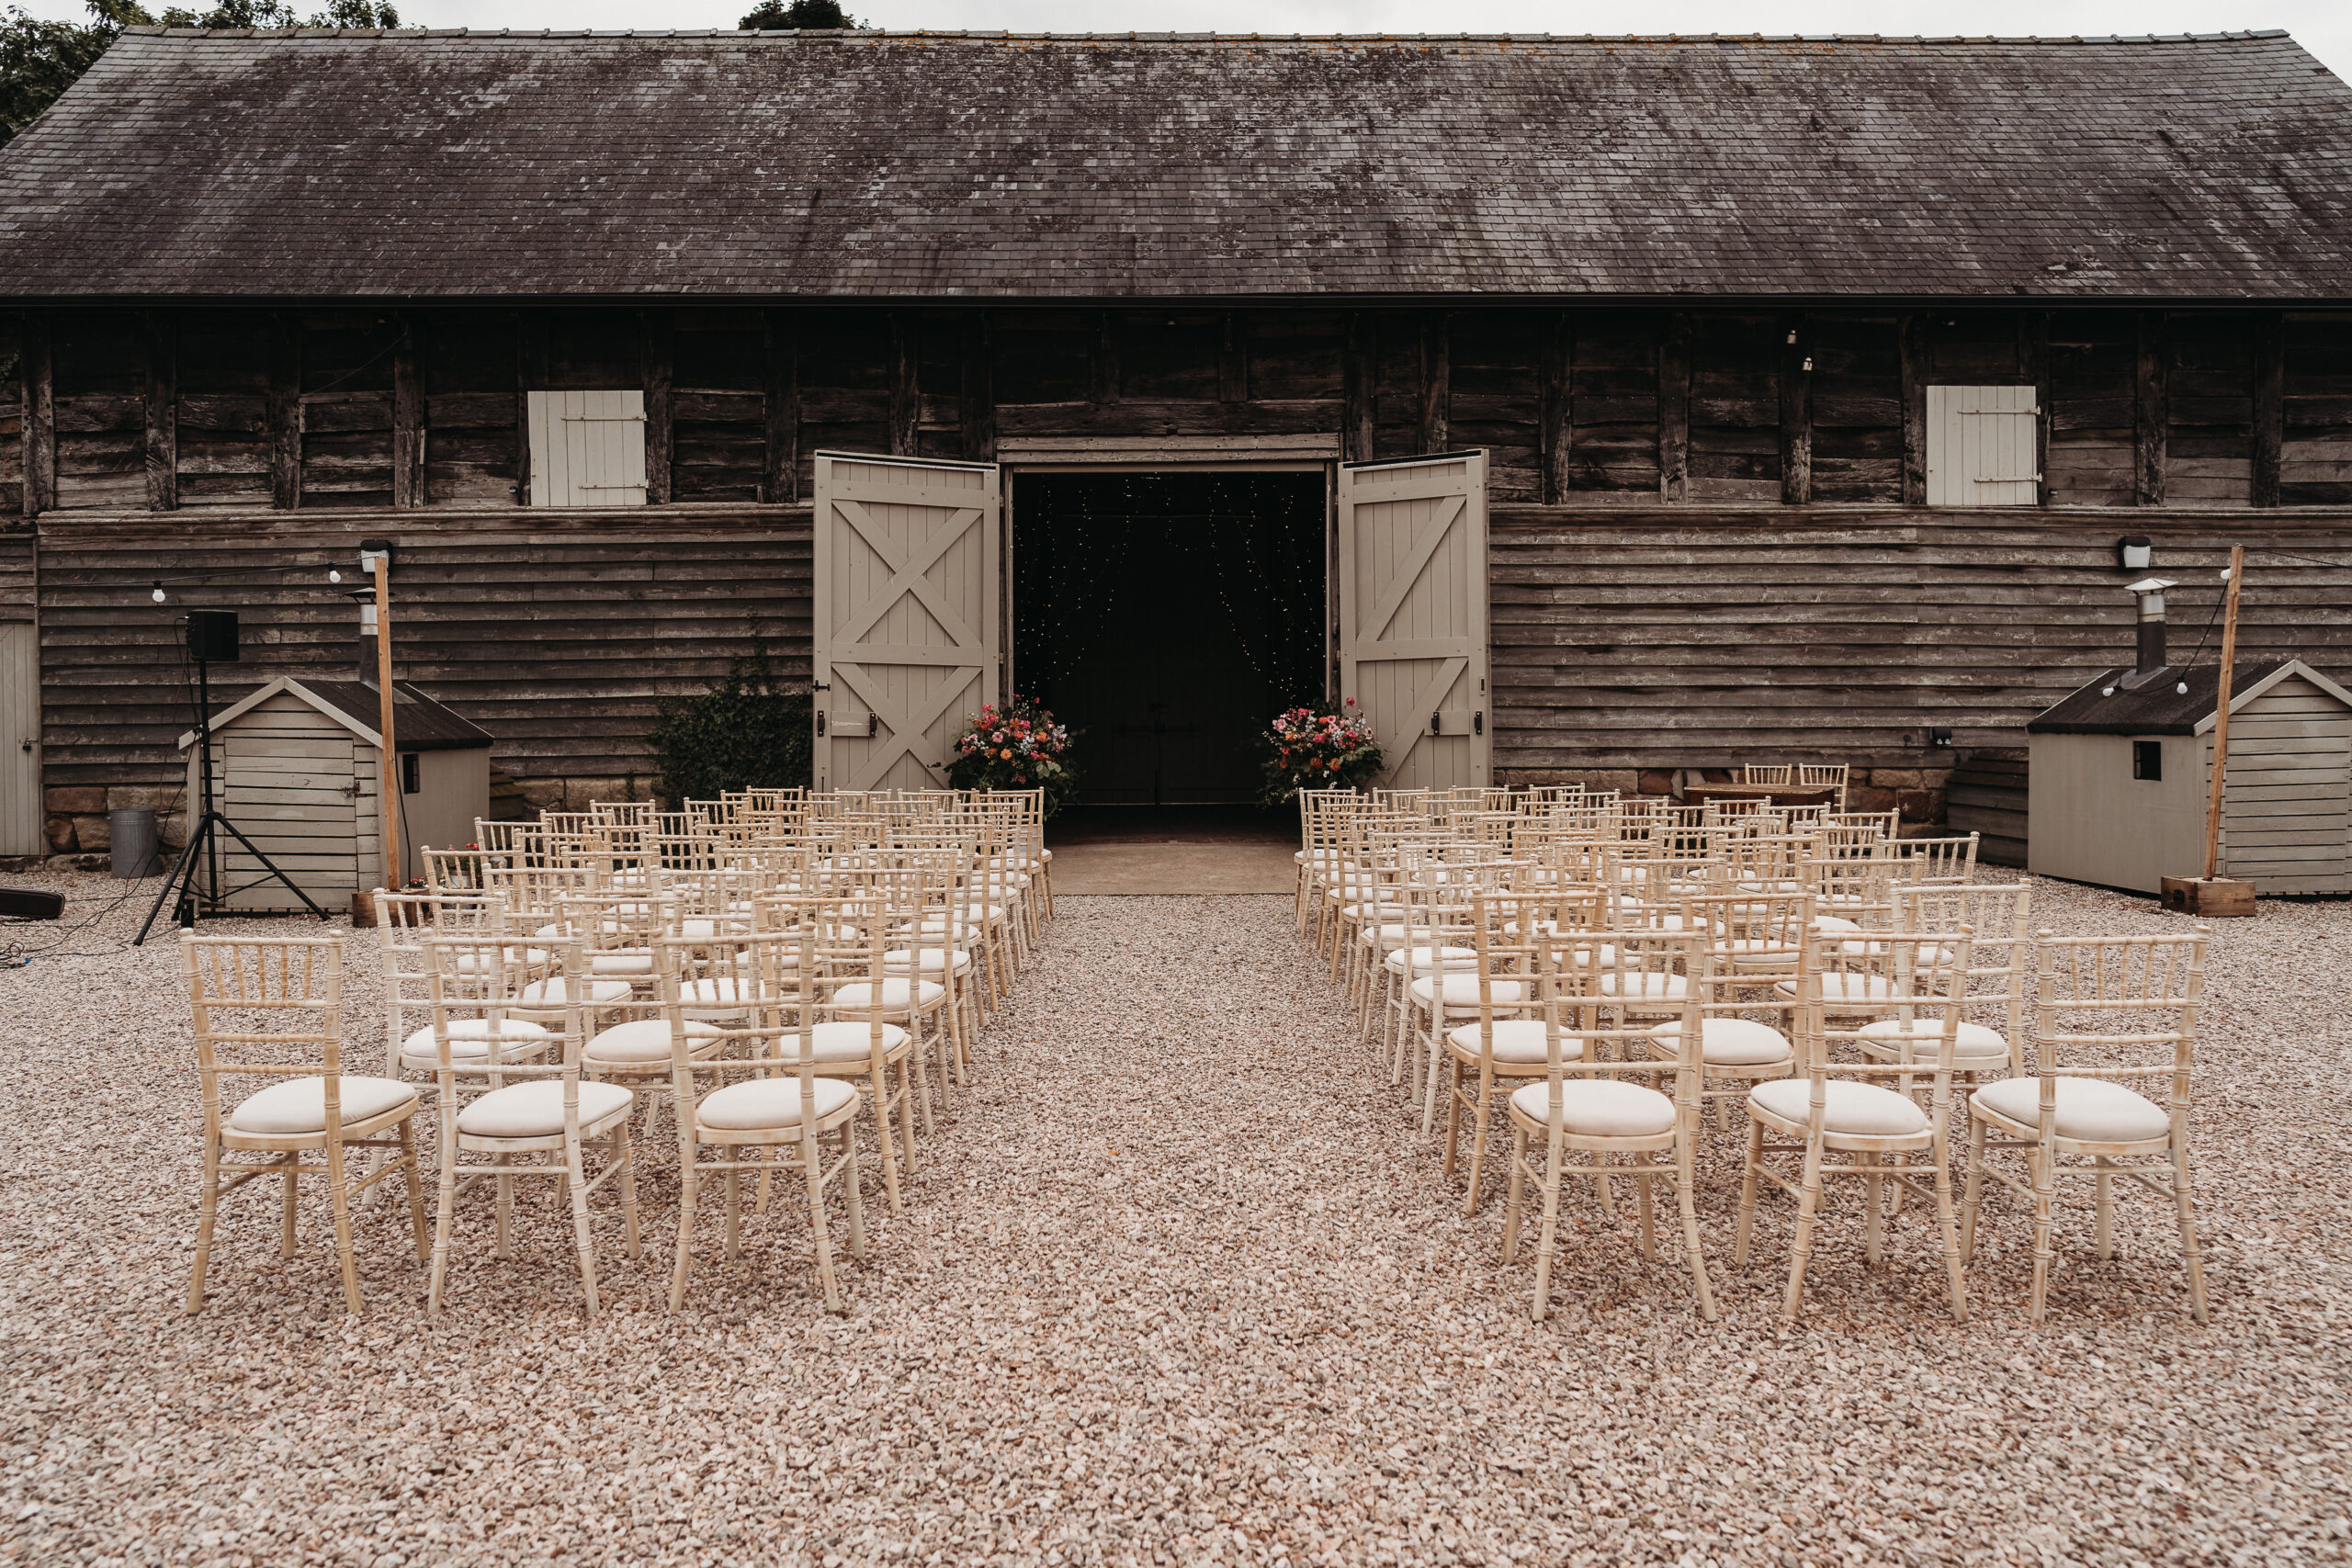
x,y
588,448
411,775
1984,447
2147,759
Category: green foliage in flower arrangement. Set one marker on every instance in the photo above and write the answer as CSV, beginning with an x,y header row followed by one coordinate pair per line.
x,y
750,731
1017,745
1329,748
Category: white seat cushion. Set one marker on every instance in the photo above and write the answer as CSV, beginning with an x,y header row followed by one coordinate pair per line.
x,y
1600,1108
762,1105
1830,925
620,963
850,1041
1519,1040
469,1041
1647,985
1730,1042
1461,990
1759,952
860,994
1841,986
1975,1041
1858,1110
534,1110
647,1040
1426,960
554,993
2093,1109
933,960
299,1105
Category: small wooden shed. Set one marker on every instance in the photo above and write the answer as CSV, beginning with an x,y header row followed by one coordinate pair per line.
x,y
295,765
2120,780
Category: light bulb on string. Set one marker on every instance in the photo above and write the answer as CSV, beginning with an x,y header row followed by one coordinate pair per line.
x,y
158,595
334,576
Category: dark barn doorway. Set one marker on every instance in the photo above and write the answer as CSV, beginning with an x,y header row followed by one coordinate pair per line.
x,y
1166,617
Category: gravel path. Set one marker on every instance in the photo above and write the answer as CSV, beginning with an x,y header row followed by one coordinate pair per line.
x,y
1179,1284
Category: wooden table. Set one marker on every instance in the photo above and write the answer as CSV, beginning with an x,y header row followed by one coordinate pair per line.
x,y
1779,795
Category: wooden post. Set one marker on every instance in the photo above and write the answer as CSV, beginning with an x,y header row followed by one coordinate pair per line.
x,y
2270,405
282,402
977,415
1232,363
1437,377
1911,351
2221,714
1554,404
906,396
1796,412
408,418
2033,366
40,418
530,376
388,752
1356,388
780,410
163,399
660,406
1674,410
2150,413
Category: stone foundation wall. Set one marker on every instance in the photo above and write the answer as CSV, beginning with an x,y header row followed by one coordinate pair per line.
x,y
77,814
1917,793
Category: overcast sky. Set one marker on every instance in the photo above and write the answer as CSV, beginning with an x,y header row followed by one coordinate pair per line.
x,y
2324,26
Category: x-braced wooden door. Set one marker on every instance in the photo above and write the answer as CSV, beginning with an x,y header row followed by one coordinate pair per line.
x,y
1413,613
907,615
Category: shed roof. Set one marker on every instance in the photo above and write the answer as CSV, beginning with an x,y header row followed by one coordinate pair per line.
x,y
2160,707
418,723
319,165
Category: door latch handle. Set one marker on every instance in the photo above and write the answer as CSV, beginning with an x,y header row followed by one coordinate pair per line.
x,y
820,722
1437,723
1478,722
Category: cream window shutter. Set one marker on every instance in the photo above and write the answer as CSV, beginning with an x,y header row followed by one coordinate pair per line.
x,y
588,448
1984,445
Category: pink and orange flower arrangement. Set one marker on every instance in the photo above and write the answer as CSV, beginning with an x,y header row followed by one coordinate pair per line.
x,y
1319,749
1015,745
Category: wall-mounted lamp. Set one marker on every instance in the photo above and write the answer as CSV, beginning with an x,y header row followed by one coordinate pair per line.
x,y
2134,553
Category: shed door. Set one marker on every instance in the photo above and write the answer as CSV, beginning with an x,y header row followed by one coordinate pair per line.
x,y
290,782
2287,802
22,824
1413,613
907,615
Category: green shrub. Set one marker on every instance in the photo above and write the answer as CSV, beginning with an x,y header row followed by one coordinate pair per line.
x,y
750,731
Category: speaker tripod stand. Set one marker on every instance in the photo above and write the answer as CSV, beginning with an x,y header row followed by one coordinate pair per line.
x,y
179,888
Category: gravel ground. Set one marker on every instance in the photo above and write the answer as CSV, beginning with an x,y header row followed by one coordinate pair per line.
x,y
1179,1284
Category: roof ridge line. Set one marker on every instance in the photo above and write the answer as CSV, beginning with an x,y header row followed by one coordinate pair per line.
x,y
879,35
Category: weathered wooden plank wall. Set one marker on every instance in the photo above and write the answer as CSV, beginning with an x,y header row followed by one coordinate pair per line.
x,y
371,409
1666,641
556,632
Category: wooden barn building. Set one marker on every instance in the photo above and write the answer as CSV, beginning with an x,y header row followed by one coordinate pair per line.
x,y
1585,407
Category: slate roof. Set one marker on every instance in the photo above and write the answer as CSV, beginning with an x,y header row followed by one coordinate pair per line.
x,y
418,723
323,164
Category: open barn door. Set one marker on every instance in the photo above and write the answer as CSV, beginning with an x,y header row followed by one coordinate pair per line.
x,y
1413,613
907,615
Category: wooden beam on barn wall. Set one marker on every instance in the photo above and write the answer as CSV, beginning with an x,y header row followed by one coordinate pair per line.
x,y
1232,362
1105,386
531,355
780,409
1436,379
906,394
282,410
2269,333
1911,374
977,395
1356,383
1796,410
1554,409
1674,409
657,354
2150,412
2033,367
408,415
160,343
41,414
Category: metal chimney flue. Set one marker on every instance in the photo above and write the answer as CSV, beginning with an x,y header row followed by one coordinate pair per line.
x,y
364,650
2148,656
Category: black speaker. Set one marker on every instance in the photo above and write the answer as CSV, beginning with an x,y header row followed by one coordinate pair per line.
x,y
212,636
